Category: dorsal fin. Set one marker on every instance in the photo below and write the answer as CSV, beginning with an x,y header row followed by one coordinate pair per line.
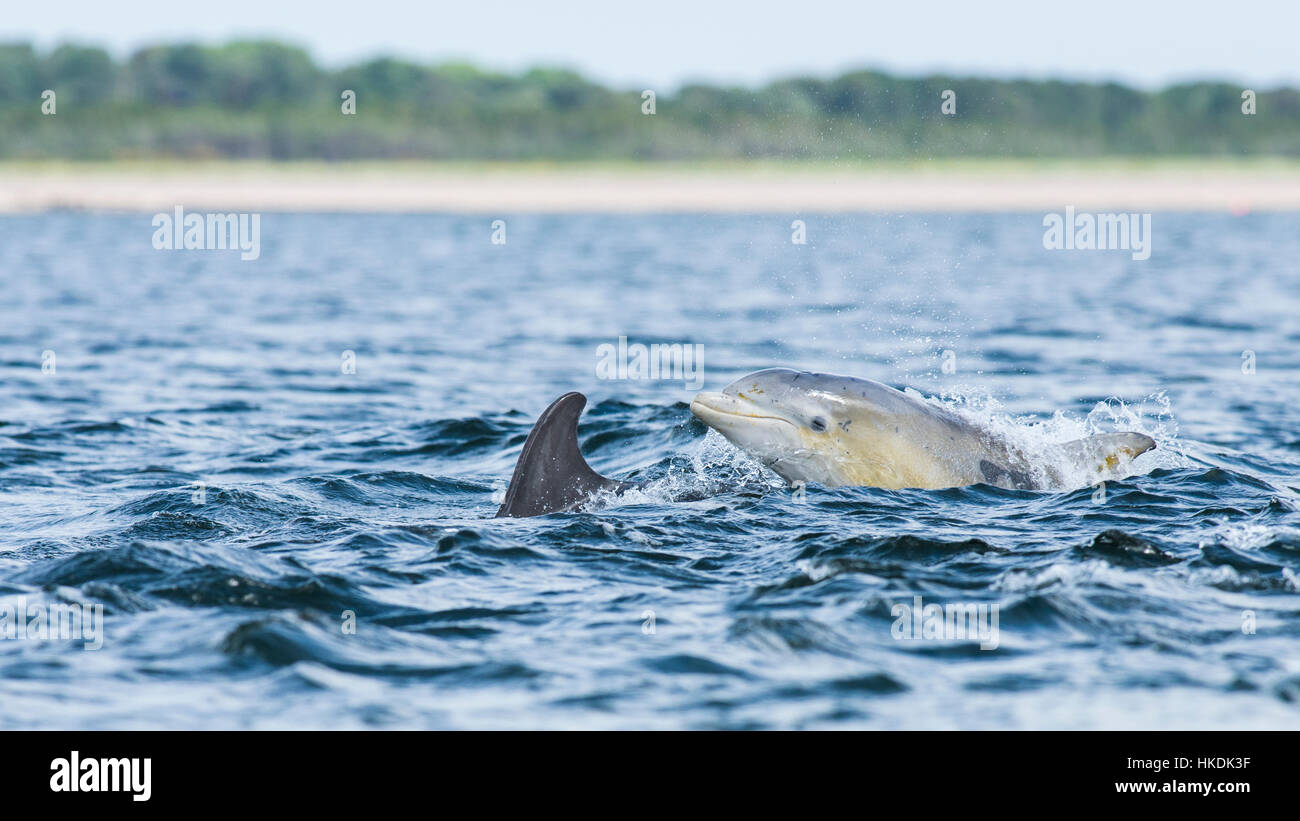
x,y
551,474
1107,451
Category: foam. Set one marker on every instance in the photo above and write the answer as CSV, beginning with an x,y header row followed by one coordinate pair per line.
x,y
1039,439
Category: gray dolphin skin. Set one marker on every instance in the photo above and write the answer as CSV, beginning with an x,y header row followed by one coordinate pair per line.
x,y
551,475
843,431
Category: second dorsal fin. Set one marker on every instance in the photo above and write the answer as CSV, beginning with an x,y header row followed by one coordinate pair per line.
x,y
551,474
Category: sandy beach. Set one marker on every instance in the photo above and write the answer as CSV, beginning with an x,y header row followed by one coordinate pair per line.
x,y
1184,185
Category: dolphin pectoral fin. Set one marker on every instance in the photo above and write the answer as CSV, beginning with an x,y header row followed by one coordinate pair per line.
x,y
1107,451
551,474
996,474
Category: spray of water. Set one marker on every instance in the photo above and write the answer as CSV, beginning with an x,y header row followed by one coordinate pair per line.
x,y
1040,438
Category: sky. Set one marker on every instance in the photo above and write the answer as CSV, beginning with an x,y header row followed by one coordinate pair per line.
x,y
663,44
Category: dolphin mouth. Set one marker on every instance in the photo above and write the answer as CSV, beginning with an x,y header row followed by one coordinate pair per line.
x,y
711,407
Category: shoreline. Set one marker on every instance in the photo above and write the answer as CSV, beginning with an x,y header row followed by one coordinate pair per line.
x,y
1211,185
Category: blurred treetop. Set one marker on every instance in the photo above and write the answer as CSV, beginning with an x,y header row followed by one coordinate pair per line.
x,y
269,100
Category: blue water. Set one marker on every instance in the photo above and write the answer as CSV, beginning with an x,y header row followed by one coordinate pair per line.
x,y
199,464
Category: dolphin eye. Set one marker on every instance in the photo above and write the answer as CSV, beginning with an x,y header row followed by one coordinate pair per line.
x,y
818,424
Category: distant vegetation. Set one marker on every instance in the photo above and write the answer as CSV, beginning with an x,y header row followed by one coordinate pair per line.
x,y
269,100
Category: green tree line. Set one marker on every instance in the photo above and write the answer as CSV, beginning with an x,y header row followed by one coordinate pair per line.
x,y
269,100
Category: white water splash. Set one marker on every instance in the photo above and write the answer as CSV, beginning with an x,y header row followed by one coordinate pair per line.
x,y
1248,536
1039,439
714,467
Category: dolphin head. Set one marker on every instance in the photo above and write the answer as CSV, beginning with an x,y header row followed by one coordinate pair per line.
x,y
799,424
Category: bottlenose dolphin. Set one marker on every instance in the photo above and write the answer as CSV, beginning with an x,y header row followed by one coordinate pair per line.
x,y
840,430
832,430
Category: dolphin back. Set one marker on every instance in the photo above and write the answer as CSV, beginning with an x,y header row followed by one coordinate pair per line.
x,y
551,474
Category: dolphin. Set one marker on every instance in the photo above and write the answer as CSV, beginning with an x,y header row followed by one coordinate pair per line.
x,y
832,430
843,431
